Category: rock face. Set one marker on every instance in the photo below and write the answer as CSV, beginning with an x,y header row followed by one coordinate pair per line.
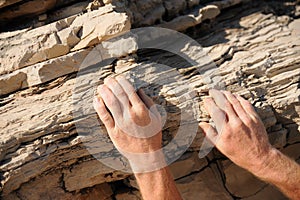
x,y
255,47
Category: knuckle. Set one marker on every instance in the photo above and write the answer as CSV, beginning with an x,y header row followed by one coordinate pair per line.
x,y
105,117
248,121
121,94
111,101
226,136
227,105
237,124
141,108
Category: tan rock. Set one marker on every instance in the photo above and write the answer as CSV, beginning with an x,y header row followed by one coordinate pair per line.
x,y
112,24
48,187
88,174
4,3
292,151
174,7
240,182
205,185
132,195
268,192
41,72
100,192
256,55
183,22
189,163
56,39
27,8
12,82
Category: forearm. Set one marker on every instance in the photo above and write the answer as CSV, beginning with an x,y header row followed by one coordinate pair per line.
x,y
282,172
158,185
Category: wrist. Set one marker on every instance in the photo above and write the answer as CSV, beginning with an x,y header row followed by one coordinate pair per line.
x,y
146,162
267,164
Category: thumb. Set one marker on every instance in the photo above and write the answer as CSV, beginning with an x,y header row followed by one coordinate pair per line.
x,y
209,141
210,132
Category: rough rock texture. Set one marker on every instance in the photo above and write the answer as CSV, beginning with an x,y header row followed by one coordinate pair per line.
x,y
254,45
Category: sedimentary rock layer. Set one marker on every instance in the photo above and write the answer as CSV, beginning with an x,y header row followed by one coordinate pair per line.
x,y
44,155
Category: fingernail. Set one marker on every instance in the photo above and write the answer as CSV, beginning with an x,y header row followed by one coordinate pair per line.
x,y
100,87
101,90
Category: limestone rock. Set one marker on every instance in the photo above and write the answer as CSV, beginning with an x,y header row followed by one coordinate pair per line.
x,y
59,38
189,163
183,22
204,185
43,154
240,182
268,191
12,82
129,196
4,3
27,8
98,173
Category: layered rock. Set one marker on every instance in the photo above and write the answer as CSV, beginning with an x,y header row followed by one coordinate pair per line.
x,y
44,156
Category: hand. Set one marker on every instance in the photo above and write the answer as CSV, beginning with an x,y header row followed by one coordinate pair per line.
x,y
240,134
134,124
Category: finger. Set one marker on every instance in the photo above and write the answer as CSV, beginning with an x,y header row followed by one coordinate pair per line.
x,y
102,112
218,115
223,103
148,102
145,98
128,88
110,101
209,132
117,90
238,108
247,106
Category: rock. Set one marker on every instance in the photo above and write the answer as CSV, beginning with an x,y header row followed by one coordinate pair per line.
x,y
268,191
292,151
183,22
27,8
240,182
59,38
4,3
174,8
43,183
41,72
129,196
204,185
192,3
45,154
187,164
12,82
293,134
78,178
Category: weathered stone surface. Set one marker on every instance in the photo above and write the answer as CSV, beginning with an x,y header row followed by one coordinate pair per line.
x,y
20,8
59,38
129,196
188,163
240,182
204,185
12,82
41,72
268,191
78,177
41,153
183,22
4,3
